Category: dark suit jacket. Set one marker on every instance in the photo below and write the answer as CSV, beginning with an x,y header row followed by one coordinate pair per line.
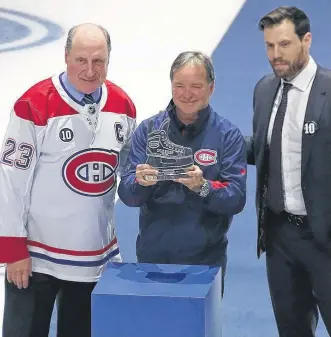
x,y
316,155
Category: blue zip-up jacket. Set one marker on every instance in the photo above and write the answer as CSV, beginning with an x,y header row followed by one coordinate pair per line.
x,y
176,225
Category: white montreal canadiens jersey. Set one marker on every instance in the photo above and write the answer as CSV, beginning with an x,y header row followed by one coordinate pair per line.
x,y
58,177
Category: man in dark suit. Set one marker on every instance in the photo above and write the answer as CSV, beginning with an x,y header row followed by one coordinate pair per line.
x,y
291,148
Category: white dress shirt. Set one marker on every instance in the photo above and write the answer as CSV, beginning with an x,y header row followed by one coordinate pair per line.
x,y
292,136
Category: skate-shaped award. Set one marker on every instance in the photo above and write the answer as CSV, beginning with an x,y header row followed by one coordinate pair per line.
x,y
171,160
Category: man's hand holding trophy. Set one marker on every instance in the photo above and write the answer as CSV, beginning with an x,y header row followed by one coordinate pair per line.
x,y
168,161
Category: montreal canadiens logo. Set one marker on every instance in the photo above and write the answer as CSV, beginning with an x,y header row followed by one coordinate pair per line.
x,y
205,157
91,172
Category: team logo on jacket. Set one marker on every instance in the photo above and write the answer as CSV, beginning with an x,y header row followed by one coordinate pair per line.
x,y
91,172
205,157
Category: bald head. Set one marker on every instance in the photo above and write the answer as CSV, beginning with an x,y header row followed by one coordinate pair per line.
x,y
87,57
87,33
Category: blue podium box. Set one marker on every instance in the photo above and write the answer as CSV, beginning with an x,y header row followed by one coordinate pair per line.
x,y
148,300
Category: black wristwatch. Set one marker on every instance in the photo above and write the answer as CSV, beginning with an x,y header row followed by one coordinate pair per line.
x,y
204,190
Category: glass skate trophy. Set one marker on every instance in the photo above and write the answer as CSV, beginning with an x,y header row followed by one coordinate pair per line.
x,y
171,160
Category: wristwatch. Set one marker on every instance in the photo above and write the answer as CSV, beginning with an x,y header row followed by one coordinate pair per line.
x,y
204,190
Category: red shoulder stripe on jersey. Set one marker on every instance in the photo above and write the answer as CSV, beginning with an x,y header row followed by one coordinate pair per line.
x,y
118,101
13,249
25,109
42,102
72,252
131,109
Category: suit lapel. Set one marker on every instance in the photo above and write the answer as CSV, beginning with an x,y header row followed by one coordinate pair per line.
x,y
271,92
264,110
313,113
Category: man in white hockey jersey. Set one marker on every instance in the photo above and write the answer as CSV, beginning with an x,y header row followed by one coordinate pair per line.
x,y
67,138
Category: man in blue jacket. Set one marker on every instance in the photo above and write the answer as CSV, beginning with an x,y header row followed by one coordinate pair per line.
x,y
185,220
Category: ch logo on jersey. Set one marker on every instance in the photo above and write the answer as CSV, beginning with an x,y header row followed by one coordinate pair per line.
x,y
91,172
205,157
119,132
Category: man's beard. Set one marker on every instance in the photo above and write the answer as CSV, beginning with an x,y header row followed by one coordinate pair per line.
x,y
293,69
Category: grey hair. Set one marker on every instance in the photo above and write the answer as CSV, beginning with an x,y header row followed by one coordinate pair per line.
x,y
193,58
72,32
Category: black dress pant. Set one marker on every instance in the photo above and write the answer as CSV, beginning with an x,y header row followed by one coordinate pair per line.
x,y
299,276
28,312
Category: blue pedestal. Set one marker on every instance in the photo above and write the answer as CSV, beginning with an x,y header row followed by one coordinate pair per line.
x,y
146,300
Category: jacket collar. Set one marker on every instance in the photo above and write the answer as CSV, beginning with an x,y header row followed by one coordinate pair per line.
x,y
194,128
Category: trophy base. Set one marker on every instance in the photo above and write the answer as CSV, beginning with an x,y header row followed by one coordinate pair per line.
x,y
168,175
